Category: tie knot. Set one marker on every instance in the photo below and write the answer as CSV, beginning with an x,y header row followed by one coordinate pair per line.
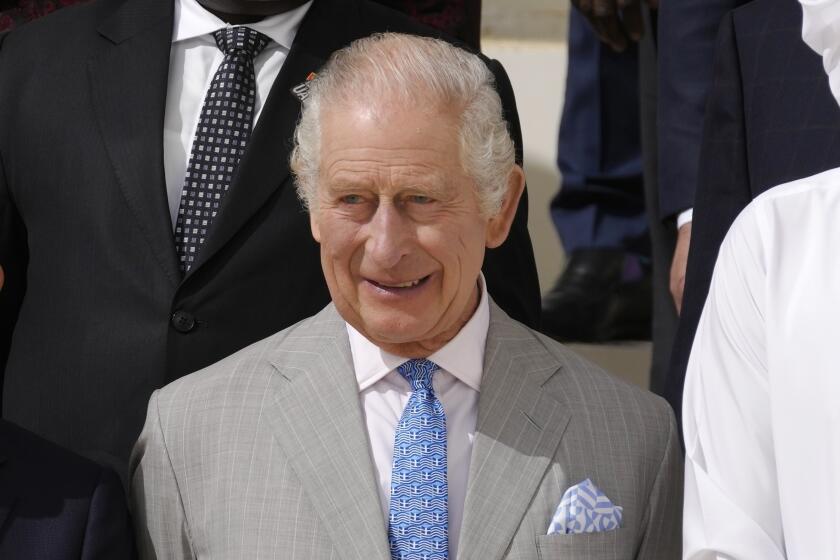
x,y
418,373
240,39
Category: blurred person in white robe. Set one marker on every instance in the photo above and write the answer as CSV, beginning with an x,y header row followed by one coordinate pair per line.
x,y
760,410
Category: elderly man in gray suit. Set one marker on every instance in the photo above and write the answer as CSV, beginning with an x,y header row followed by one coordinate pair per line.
x,y
411,418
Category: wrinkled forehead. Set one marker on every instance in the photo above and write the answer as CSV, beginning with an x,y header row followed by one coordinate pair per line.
x,y
384,102
392,152
376,134
391,113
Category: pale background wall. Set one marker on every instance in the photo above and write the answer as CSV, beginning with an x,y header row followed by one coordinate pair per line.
x,y
529,38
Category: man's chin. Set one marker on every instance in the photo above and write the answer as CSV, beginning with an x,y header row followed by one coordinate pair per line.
x,y
394,332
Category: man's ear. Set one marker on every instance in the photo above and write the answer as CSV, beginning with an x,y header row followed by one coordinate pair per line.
x,y
313,225
499,225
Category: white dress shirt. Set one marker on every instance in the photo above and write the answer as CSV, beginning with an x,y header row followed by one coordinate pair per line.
x,y
384,393
193,60
685,217
761,408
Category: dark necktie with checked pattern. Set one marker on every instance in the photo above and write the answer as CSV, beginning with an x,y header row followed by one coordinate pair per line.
x,y
224,127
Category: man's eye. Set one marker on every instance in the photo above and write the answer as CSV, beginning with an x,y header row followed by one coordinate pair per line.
x,y
351,199
419,199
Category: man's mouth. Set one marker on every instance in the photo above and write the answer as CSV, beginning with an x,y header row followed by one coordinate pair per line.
x,y
400,285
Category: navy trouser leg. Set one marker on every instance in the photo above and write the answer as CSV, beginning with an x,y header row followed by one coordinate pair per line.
x,y
601,202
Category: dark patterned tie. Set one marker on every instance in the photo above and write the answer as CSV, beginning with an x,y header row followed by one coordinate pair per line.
x,y
224,127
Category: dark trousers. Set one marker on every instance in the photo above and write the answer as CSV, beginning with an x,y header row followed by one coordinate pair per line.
x,y
601,203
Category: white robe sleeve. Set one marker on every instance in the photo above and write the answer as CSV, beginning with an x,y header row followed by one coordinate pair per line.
x,y
731,507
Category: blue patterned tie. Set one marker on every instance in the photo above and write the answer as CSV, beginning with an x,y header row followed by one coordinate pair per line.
x,y
224,127
418,523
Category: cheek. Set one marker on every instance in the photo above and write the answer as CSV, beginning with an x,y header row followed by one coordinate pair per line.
x,y
340,250
463,243
337,266
337,235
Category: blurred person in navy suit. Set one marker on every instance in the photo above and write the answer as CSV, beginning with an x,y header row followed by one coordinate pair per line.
x,y
55,505
616,284
603,292
770,118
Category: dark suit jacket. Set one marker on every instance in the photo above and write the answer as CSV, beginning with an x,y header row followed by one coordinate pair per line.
x,y
771,118
14,13
457,18
685,56
86,237
55,505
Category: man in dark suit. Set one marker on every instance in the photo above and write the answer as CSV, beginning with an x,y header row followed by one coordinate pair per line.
x,y
770,119
87,230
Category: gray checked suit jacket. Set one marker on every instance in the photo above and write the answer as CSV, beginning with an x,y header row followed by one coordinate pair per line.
x,y
265,455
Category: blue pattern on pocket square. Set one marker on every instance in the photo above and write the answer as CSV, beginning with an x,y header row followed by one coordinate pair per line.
x,y
585,509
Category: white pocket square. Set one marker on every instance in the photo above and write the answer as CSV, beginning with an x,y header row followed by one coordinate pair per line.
x,y
585,509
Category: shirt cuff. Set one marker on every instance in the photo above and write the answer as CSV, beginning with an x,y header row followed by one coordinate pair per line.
x,y
685,217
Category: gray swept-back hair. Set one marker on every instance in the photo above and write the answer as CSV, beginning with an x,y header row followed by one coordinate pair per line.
x,y
415,72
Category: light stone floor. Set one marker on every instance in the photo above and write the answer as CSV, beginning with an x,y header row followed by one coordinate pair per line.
x,y
529,38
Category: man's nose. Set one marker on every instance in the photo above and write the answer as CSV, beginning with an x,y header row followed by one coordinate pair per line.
x,y
388,235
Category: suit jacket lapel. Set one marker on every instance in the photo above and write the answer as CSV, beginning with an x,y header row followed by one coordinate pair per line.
x,y
518,430
318,422
265,166
128,83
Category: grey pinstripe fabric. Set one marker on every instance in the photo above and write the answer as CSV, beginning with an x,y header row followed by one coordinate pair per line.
x,y
265,455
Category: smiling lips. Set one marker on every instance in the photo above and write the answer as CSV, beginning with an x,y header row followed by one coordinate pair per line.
x,y
399,285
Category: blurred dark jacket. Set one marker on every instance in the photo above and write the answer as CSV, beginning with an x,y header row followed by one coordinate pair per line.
x,y
55,505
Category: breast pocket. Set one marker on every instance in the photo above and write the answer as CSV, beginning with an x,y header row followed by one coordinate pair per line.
x,y
606,545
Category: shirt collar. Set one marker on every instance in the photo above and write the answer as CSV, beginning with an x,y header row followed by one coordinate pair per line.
x,y
463,356
192,20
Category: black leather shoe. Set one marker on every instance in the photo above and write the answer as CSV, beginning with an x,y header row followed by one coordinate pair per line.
x,y
593,302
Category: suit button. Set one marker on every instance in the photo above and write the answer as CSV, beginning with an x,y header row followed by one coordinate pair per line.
x,y
183,321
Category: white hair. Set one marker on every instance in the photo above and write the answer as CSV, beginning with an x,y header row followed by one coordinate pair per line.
x,y
415,72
